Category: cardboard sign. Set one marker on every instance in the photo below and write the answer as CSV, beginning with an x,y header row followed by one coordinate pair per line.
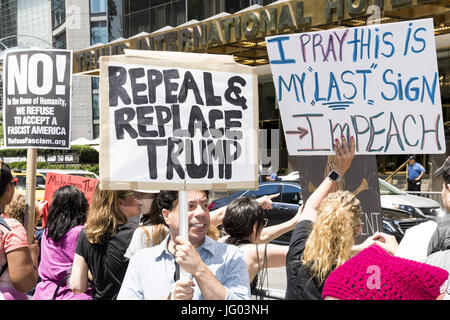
x,y
37,99
177,121
361,179
378,83
54,181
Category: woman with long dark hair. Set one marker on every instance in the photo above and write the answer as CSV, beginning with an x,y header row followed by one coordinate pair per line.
x,y
66,217
245,223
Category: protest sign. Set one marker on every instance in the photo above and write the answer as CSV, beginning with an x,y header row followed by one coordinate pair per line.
x,y
37,99
177,121
378,83
361,179
54,181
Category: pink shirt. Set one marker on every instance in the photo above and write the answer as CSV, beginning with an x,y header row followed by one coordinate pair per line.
x,y
10,241
56,261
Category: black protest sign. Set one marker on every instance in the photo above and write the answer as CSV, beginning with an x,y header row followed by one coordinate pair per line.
x,y
173,122
361,179
37,99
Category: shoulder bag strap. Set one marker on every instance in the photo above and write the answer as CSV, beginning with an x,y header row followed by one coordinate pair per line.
x,y
3,223
59,286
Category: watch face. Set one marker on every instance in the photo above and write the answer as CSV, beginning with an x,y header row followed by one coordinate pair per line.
x,y
333,175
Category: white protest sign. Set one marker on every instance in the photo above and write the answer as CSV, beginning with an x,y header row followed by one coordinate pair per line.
x,y
377,83
177,121
37,91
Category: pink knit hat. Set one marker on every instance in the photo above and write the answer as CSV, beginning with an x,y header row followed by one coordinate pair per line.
x,y
374,274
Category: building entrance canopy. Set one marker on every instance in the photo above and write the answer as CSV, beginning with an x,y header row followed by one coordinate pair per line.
x,y
242,34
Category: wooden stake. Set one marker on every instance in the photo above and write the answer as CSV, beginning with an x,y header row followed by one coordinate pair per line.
x,y
30,195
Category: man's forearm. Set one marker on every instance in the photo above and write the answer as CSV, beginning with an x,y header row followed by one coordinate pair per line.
x,y
210,287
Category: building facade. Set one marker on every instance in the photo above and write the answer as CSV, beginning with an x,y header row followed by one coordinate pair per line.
x,y
24,24
238,28
93,28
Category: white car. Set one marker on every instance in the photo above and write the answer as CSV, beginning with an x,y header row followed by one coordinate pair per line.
x,y
293,176
73,172
399,209
396,199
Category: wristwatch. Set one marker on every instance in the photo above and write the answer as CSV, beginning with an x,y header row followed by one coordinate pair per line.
x,y
334,176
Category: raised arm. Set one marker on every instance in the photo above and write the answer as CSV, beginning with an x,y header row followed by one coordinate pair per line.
x,y
270,233
344,157
216,216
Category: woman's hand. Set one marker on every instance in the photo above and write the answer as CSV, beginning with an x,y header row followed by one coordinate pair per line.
x,y
344,155
266,201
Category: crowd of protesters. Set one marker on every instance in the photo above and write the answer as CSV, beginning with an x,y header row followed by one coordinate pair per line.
x,y
126,244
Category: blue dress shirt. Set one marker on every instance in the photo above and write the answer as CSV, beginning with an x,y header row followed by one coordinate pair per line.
x,y
150,273
415,170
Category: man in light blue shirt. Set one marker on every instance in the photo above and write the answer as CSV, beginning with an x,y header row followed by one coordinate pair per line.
x,y
216,270
415,174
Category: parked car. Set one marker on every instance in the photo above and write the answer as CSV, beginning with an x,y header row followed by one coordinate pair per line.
x,y
402,211
293,176
21,186
73,172
284,207
399,210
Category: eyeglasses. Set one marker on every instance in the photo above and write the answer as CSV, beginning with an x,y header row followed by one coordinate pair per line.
x,y
14,181
128,194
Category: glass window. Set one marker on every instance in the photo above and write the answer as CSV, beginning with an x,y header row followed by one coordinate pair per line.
x,y
8,23
264,190
232,6
291,194
99,32
59,41
95,108
98,6
58,13
141,5
95,83
115,19
388,189
96,129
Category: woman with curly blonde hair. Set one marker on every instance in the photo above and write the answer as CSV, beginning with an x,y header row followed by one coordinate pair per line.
x,y
324,237
332,237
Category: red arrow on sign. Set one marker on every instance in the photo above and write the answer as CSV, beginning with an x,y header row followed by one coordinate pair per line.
x,y
301,132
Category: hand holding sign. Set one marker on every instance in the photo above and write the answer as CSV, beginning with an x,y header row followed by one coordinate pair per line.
x,y
191,116
344,155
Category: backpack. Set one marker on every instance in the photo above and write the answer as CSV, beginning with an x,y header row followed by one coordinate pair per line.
x,y
3,223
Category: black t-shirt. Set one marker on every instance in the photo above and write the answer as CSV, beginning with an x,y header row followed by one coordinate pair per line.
x,y
301,285
106,261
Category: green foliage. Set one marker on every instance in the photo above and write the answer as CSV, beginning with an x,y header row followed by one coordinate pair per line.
x,y
44,165
87,155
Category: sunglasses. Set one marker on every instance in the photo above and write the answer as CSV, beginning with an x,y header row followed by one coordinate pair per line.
x,y
14,181
128,194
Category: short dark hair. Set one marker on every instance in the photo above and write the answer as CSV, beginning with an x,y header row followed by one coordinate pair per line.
x,y
166,198
240,217
446,178
5,176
